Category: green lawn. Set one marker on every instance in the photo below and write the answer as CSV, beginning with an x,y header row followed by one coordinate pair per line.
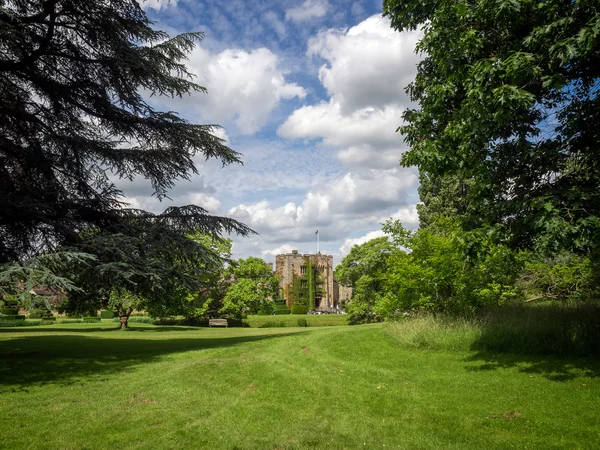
x,y
87,386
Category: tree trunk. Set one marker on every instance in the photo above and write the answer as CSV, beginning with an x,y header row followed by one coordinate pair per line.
x,y
124,318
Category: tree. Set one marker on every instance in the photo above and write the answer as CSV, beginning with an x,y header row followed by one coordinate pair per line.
x,y
441,197
369,258
508,98
255,284
75,78
364,269
446,270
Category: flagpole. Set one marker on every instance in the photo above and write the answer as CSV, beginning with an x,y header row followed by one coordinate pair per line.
x,y
317,242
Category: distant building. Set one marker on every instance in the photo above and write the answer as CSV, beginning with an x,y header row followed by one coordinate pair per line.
x,y
295,280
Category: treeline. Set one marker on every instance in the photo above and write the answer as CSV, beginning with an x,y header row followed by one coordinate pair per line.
x,y
444,269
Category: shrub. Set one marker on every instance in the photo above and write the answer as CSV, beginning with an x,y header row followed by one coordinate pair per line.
x,y
302,323
48,321
299,309
279,312
107,314
138,320
6,323
272,324
91,319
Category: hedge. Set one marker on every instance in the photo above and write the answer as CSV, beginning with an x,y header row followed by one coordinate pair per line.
x,y
299,309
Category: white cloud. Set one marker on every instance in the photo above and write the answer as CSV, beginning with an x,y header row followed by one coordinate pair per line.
x,y
371,126
285,248
366,70
310,9
244,86
349,243
158,4
368,65
204,200
335,208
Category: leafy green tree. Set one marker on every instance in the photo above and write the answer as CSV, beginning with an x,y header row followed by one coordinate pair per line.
x,y
75,79
447,270
369,258
364,268
508,98
442,197
206,302
254,287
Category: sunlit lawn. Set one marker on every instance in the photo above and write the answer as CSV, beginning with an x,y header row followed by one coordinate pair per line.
x,y
87,386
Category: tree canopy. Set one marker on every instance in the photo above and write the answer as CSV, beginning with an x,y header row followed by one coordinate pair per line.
x,y
507,96
75,79
75,116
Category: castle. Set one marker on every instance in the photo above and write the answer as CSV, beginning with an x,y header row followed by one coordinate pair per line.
x,y
296,281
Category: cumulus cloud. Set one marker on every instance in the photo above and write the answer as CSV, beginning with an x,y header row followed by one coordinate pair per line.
x,y
367,65
285,248
335,208
349,243
243,86
365,72
310,9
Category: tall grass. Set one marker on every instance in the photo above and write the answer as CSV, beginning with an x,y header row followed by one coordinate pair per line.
x,y
545,329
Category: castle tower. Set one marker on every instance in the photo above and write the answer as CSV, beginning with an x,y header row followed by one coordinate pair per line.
x,y
293,265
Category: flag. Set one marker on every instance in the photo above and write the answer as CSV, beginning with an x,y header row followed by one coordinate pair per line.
x,y
317,232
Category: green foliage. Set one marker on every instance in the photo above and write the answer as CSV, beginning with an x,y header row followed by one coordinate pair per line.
x,y
307,287
76,109
447,269
564,277
75,117
11,323
302,323
107,314
299,309
507,96
365,268
254,284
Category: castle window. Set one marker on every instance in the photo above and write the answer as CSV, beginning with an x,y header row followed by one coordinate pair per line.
x,y
303,283
302,270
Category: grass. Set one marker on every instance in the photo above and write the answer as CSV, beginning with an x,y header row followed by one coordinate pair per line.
x,y
544,329
87,386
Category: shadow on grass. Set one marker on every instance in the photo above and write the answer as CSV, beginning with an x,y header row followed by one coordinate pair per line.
x,y
73,359
558,341
551,368
71,329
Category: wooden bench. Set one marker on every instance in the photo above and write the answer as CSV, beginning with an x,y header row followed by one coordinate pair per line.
x,y
217,323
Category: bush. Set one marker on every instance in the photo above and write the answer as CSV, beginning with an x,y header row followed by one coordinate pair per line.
x,y
279,312
91,319
139,320
272,325
302,323
48,321
10,323
70,320
299,309
107,314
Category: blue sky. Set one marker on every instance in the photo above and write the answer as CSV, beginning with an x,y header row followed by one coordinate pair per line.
x,y
310,92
